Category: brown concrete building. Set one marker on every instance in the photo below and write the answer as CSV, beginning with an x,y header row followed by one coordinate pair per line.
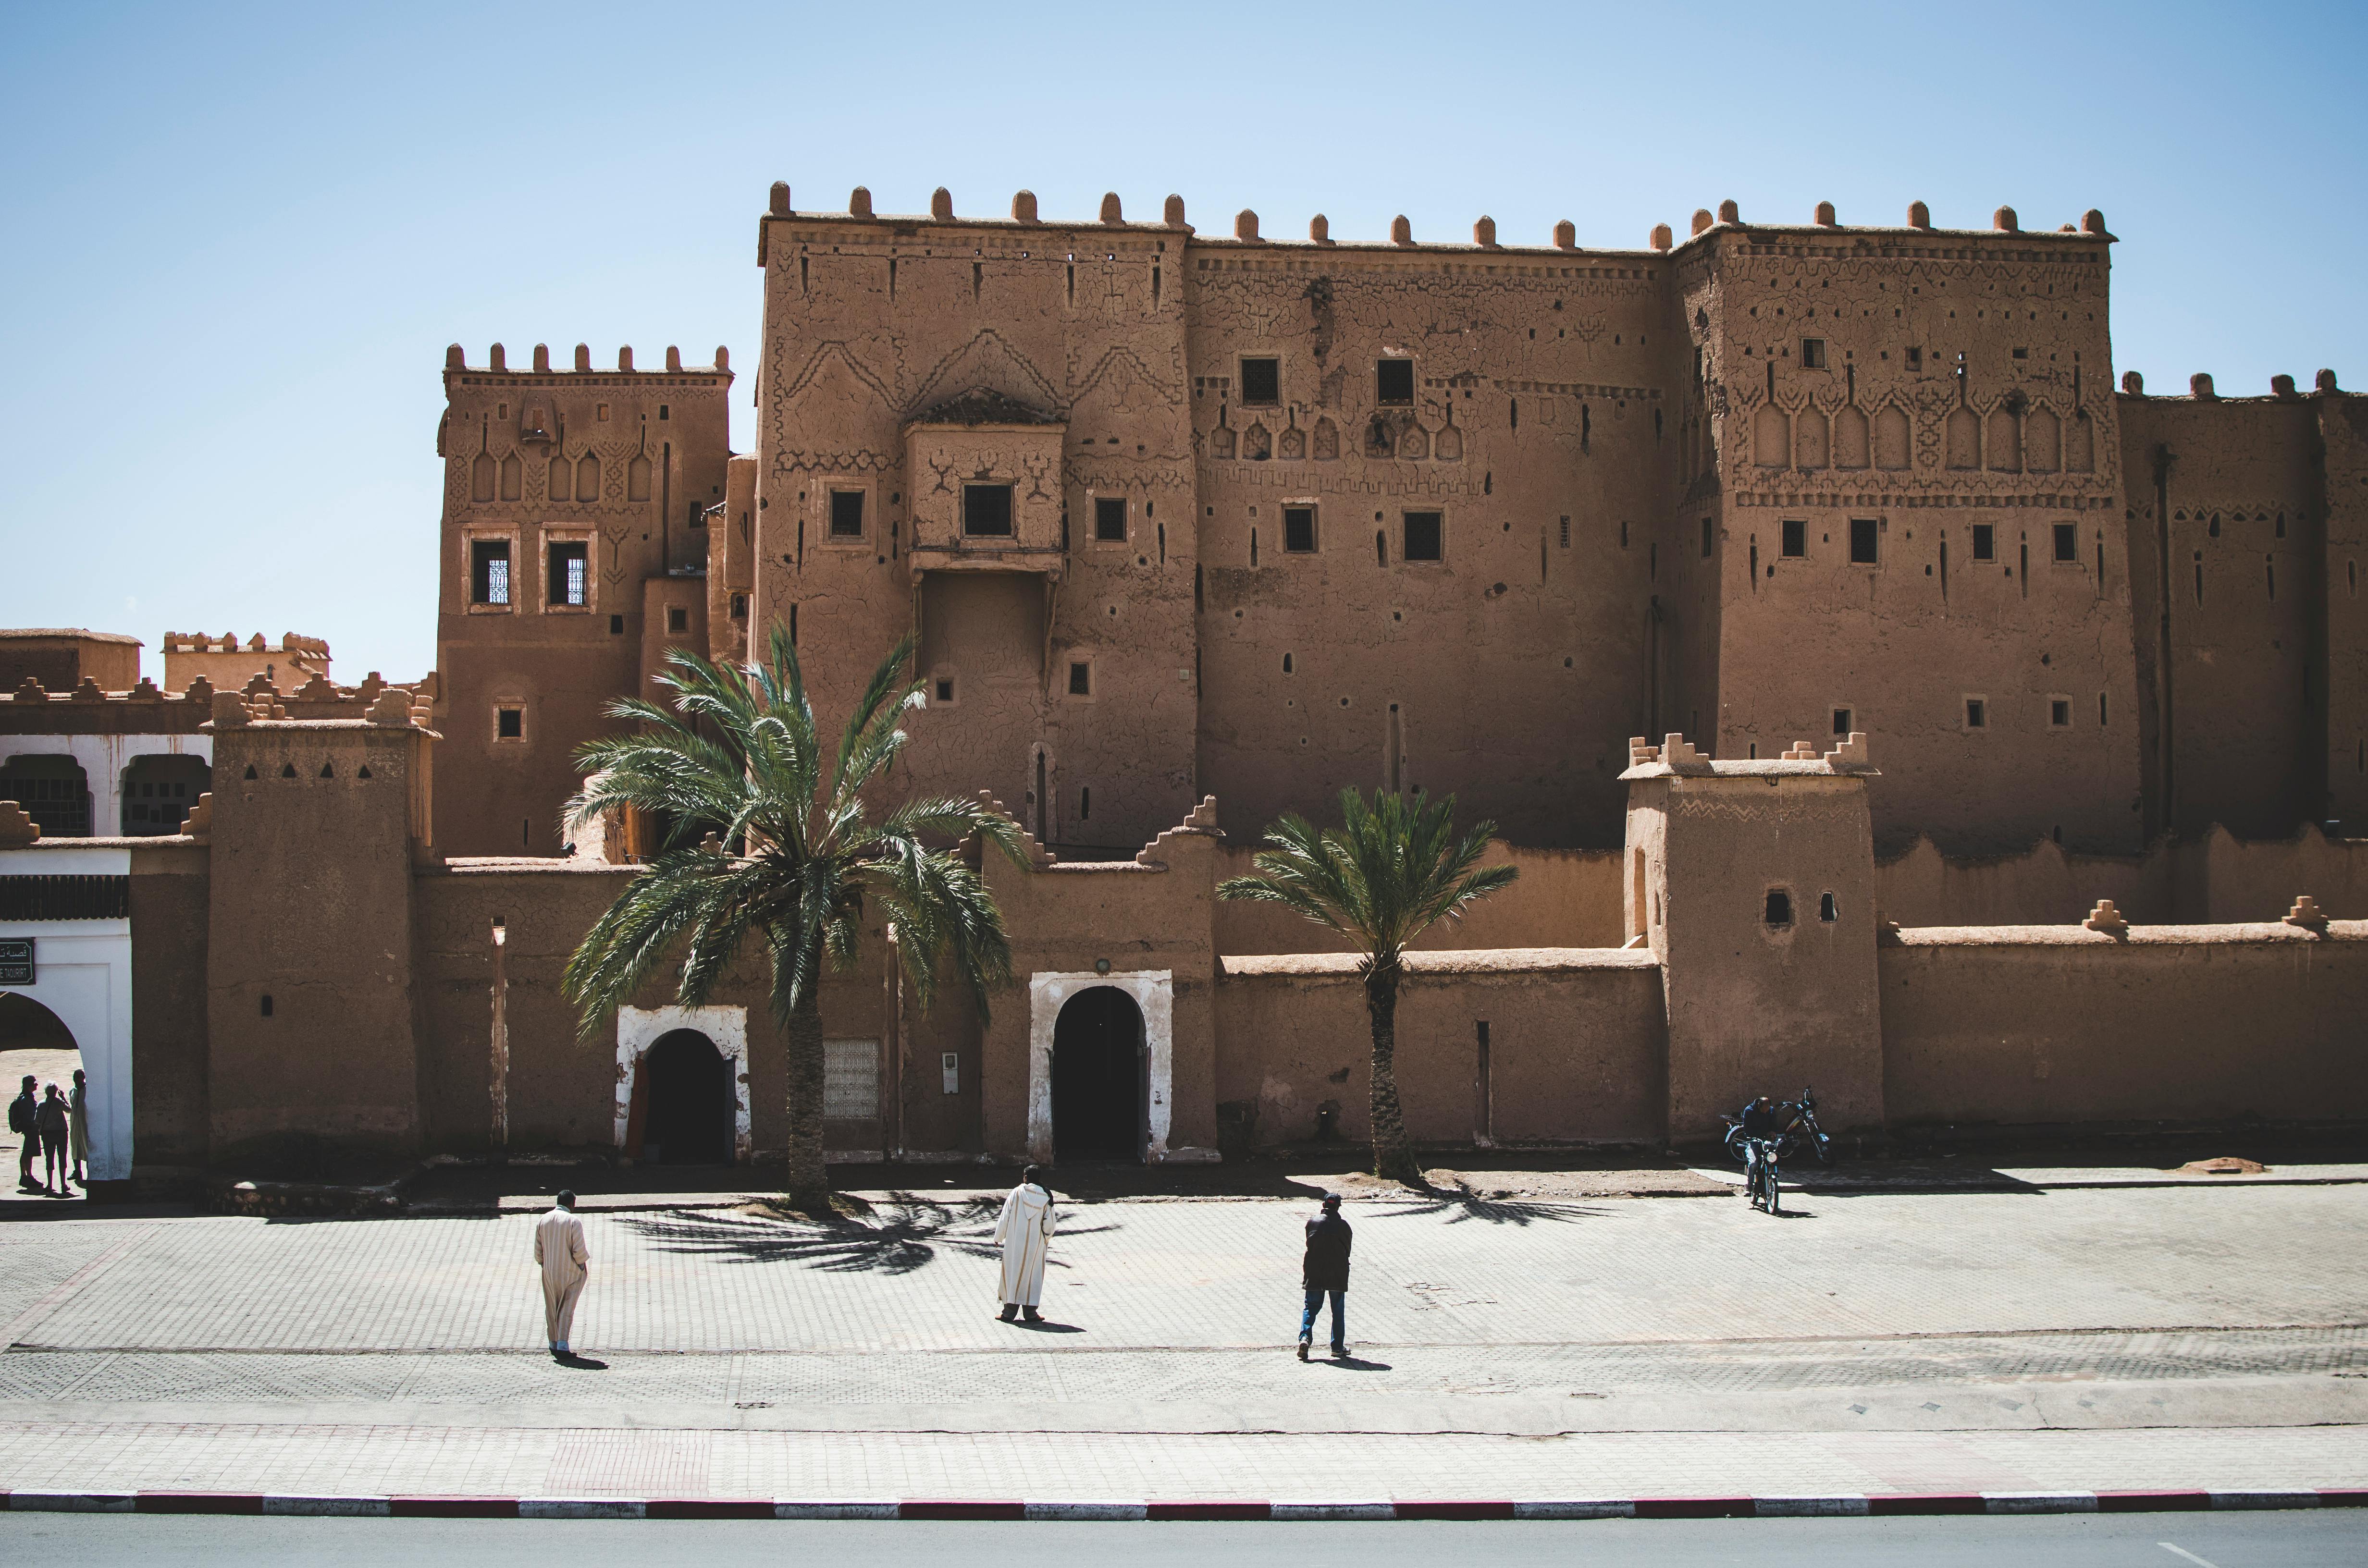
x,y
1174,513
1193,530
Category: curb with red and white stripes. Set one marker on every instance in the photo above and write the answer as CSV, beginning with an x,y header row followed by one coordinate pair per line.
x,y
1844,1506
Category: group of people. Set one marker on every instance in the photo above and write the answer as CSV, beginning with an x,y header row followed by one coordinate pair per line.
x,y
49,1127
1024,1232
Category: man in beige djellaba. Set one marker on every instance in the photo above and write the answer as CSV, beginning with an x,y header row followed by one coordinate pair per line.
x,y
559,1249
1025,1234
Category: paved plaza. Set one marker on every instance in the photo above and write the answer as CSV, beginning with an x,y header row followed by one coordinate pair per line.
x,y
2041,1339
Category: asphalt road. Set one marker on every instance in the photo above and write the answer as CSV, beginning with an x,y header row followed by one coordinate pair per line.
x,y
2329,1538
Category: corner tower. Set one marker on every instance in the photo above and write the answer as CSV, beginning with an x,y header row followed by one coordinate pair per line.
x,y
566,492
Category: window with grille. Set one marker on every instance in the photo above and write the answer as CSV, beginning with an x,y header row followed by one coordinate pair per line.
x,y
850,1079
489,572
571,574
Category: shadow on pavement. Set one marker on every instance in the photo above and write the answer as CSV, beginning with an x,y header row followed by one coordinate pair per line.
x,y
897,1236
1459,1203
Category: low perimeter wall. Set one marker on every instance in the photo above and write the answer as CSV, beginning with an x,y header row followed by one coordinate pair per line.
x,y
1576,1046
2054,1024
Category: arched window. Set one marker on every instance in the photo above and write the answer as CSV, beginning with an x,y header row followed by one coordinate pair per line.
x,y
513,477
1964,439
2004,445
587,478
2043,441
637,479
1893,439
1850,438
1812,431
481,477
563,479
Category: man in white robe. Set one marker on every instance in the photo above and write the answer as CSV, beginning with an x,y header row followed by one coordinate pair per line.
x,y
559,1249
1025,1234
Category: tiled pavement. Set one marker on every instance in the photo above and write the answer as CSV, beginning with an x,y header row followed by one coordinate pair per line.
x,y
1885,1342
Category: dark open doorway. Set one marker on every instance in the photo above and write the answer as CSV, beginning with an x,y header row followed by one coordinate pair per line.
x,y
1100,1087
690,1118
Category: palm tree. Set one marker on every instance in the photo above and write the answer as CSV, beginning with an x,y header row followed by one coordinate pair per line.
x,y
1388,873
737,755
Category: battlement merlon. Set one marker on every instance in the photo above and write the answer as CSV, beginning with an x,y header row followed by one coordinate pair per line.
x,y
2005,226
456,363
1674,758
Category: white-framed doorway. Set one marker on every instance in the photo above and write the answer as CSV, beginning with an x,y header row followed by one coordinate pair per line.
x,y
81,972
1153,991
638,1028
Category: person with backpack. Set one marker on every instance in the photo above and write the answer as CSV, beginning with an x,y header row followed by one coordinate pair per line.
x,y
23,1112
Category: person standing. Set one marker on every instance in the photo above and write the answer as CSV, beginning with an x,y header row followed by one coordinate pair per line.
x,y
559,1249
1324,1270
77,1099
51,1121
1024,1232
24,1113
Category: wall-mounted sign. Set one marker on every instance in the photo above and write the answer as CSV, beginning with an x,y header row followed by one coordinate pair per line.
x,y
15,961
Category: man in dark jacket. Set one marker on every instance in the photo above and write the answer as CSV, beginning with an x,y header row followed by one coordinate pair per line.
x,y
23,1114
1325,1270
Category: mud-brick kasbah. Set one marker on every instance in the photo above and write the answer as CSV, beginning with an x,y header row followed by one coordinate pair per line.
x,y
1873,693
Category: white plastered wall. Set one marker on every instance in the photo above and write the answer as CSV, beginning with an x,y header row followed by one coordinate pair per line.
x,y
1153,991
638,1028
82,971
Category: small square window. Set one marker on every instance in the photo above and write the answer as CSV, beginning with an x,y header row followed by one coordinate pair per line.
x,y
1985,541
1393,382
509,723
1977,713
1110,518
616,626
489,572
1706,537
739,607
1298,531
2059,712
571,574
1862,541
2068,542
1813,354
1916,358
1796,538
986,511
945,689
1778,911
677,619
1827,910
1261,382
1425,535
664,412
1081,679
2022,353
847,514
1842,721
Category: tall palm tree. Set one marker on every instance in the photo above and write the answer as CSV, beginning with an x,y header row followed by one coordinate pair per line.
x,y
1388,873
736,753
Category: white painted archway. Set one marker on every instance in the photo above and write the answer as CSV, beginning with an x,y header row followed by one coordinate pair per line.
x,y
83,973
1153,991
638,1028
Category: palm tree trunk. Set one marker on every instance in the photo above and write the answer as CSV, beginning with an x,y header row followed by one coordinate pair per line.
x,y
1393,1161
807,1181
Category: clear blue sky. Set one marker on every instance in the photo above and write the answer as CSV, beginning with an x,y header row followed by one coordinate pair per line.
x,y
240,236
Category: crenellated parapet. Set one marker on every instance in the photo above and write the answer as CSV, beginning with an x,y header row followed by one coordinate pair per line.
x,y
1201,823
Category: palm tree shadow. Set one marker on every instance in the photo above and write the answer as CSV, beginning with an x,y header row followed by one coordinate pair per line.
x,y
899,1236
1459,1203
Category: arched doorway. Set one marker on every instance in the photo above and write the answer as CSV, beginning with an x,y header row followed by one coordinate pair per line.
x,y
36,1044
1101,1088
690,1117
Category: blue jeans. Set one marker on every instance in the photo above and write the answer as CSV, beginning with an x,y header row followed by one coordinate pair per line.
x,y
1340,1318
